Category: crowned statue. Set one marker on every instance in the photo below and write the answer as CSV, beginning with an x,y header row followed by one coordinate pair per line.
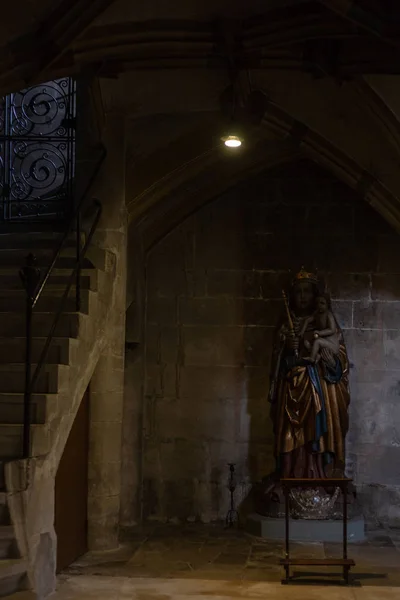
x,y
309,395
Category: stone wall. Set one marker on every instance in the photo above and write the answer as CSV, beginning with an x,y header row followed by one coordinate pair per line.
x,y
213,298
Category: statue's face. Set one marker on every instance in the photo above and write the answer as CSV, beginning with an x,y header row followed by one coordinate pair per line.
x,y
304,296
322,305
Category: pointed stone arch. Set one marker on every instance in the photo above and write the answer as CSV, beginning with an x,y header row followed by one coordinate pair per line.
x,y
280,138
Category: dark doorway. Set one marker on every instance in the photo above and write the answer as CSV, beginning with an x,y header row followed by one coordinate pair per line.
x,y
71,491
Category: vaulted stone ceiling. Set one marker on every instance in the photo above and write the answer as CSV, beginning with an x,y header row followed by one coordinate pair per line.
x,y
330,71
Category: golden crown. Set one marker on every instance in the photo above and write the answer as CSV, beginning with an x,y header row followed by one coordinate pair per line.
x,y
305,275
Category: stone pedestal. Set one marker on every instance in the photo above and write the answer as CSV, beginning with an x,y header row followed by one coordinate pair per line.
x,y
306,530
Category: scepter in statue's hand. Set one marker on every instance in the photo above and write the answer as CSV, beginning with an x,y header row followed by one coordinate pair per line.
x,y
296,353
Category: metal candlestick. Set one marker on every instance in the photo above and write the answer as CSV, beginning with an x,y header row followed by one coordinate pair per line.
x,y
232,514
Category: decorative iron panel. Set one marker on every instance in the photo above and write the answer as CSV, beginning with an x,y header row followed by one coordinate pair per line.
x,y
37,152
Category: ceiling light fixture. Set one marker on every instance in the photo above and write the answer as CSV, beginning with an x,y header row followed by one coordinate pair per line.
x,y
232,141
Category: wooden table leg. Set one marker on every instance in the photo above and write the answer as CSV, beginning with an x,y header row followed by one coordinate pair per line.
x,y
345,567
343,562
287,551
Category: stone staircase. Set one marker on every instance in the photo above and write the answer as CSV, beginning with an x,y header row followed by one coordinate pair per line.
x,y
45,411
13,568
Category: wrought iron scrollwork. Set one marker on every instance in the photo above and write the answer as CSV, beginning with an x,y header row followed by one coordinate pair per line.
x,y
37,151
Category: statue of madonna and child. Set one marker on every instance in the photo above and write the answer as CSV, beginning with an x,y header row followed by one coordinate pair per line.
x,y
309,399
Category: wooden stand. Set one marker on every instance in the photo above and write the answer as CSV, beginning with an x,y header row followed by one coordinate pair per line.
x,y
344,562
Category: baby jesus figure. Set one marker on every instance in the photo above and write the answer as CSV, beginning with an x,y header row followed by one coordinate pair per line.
x,y
326,333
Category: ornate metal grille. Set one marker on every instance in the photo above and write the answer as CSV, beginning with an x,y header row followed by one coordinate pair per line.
x,y
37,152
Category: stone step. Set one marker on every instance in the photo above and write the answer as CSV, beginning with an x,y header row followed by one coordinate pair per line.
x,y
13,324
38,239
52,233
43,246
13,577
24,595
12,566
15,260
12,350
11,441
40,246
51,378
16,302
12,408
8,545
94,256
58,280
52,289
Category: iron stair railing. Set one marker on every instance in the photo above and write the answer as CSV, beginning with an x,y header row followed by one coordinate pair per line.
x,y
34,285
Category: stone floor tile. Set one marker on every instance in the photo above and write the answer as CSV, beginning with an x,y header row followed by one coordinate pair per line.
x,y
180,589
205,555
372,575
380,540
136,534
198,553
220,573
377,593
266,559
80,588
231,559
211,586
318,592
266,573
383,557
215,542
300,550
333,550
195,589
121,554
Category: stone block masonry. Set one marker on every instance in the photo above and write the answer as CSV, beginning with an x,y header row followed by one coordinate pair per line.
x,y
213,298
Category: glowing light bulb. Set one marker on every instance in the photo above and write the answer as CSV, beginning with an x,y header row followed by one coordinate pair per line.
x,y
232,141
